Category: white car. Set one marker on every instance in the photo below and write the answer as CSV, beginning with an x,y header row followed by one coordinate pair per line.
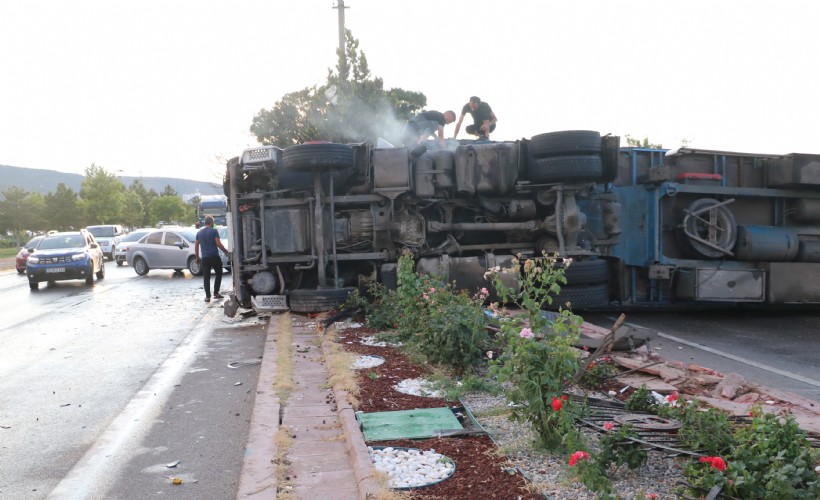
x,y
108,236
166,248
122,247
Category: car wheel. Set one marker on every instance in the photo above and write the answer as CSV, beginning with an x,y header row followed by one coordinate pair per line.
x,y
194,267
33,285
89,278
140,266
119,263
321,156
311,301
101,272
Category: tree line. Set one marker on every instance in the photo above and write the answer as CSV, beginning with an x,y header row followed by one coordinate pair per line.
x,y
103,199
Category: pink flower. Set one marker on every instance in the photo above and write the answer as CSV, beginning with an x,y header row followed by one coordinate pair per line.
x,y
425,296
484,291
525,333
608,426
715,462
652,496
556,404
672,397
578,455
432,290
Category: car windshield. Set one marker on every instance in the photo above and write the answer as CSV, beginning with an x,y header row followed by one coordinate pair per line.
x,y
61,241
135,236
32,243
99,231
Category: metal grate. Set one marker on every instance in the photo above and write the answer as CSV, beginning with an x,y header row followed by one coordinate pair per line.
x,y
270,302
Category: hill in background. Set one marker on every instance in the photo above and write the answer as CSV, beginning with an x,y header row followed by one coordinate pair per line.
x,y
36,180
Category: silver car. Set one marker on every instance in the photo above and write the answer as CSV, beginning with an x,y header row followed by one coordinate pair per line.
x,y
121,249
166,248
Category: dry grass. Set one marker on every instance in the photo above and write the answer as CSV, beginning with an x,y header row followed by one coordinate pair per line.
x,y
339,362
283,441
284,385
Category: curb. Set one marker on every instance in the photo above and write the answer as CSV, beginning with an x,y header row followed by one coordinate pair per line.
x,y
356,447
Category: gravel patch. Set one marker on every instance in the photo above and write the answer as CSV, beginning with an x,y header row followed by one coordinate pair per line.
x,y
367,362
418,387
551,474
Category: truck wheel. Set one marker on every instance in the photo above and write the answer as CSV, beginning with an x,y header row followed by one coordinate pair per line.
x,y
587,272
193,267
581,297
609,155
311,301
567,142
565,169
319,156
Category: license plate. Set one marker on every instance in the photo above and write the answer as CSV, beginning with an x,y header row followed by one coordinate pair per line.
x,y
55,270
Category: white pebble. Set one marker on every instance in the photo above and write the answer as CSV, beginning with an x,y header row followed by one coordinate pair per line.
x,y
411,468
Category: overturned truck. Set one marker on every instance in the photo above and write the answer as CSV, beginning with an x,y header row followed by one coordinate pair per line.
x,y
644,227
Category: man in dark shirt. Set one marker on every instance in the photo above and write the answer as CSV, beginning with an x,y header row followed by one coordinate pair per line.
x,y
421,126
207,241
483,118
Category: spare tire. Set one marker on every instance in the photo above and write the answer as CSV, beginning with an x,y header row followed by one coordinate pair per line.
x,y
322,156
567,142
565,169
313,300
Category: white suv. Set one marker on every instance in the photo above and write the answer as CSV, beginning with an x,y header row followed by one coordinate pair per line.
x,y
107,235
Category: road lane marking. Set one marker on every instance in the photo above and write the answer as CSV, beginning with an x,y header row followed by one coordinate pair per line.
x,y
778,371
92,474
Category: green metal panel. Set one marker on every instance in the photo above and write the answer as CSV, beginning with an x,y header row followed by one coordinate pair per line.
x,y
407,424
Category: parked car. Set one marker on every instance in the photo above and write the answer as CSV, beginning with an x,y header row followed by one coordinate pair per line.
x,y
107,235
225,238
164,249
63,256
25,250
122,247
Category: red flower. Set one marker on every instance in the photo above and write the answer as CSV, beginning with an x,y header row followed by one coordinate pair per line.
x,y
608,426
564,397
578,455
556,404
652,496
672,397
715,462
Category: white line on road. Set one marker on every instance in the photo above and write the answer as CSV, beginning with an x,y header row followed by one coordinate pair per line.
x,y
745,361
89,478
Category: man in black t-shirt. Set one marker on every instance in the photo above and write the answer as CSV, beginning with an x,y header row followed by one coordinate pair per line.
x,y
483,118
423,125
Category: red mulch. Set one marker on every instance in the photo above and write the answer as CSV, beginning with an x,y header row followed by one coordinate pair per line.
x,y
479,472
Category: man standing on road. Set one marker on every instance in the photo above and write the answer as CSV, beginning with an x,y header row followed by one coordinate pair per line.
x,y
208,240
483,118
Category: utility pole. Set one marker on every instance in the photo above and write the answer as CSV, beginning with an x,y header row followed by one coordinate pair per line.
x,y
340,5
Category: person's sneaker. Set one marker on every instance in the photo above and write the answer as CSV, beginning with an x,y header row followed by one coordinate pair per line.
x,y
218,295
207,299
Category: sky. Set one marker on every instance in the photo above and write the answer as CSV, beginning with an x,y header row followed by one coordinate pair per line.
x,y
170,88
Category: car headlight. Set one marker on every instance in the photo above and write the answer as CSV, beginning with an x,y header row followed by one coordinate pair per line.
x,y
33,260
78,256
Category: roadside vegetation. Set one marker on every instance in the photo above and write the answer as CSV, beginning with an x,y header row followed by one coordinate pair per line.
x,y
532,356
103,199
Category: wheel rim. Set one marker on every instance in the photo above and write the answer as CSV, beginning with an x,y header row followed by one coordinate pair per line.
x,y
194,267
140,266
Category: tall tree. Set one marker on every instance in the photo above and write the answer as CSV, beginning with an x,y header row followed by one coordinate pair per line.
x,y
18,212
167,208
63,210
169,191
102,194
145,197
133,213
352,106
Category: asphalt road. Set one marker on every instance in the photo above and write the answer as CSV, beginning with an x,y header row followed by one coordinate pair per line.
x,y
777,349
101,387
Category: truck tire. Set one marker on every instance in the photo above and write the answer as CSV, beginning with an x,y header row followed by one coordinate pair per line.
x,y
581,297
326,156
565,169
564,143
587,272
609,155
312,301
